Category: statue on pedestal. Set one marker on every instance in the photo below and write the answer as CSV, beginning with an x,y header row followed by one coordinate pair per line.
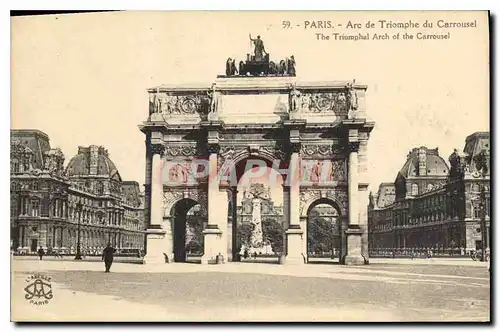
x,y
295,101
257,193
352,99
155,103
212,103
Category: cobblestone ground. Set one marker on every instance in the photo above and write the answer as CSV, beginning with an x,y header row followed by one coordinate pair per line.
x,y
382,291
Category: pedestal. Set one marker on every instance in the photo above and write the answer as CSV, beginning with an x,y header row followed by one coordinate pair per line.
x,y
354,256
211,249
294,247
156,247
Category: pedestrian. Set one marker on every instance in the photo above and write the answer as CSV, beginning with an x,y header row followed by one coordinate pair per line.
x,y
107,256
41,253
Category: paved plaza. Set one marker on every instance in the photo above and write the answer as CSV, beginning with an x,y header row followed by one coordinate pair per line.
x,y
386,290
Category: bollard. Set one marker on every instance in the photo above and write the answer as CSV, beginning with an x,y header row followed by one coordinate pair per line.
x,y
219,259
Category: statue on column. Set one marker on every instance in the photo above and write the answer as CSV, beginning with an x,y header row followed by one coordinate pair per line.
x,y
257,193
295,102
352,99
155,104
212,103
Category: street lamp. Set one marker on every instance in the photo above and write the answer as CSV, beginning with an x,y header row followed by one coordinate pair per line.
x,y
482,203
78,250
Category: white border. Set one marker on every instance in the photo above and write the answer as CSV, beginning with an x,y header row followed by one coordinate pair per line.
x,y
191,5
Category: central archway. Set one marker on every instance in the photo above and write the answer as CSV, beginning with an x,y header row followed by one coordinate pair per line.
x,y
324,232
255,200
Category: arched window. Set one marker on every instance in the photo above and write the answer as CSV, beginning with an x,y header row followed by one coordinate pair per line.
x,y
99,188
414,189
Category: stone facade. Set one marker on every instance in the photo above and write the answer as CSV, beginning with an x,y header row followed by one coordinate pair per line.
x,y
317,131
50,203
438,207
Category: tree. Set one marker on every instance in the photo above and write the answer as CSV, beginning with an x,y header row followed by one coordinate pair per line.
x,y
273,234
194,227
320,234
244,232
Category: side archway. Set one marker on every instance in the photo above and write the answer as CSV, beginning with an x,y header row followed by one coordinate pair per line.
x,y
184,218
323,231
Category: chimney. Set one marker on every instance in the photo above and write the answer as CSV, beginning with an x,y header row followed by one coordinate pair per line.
x,y
94,159
422,161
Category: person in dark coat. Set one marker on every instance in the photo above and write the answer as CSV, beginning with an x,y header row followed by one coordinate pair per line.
x,y
107,256
41,253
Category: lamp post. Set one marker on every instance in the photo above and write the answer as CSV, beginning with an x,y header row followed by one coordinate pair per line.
x,y
78,250
482,203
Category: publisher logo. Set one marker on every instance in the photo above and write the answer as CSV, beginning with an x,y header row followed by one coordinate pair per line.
x,y
39,289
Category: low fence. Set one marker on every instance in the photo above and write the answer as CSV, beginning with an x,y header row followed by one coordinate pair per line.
x,y
72,252
418,252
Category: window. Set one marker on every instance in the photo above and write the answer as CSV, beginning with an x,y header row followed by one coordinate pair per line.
x,y
476,211
414,189
99,188
35,208
35,186
25,206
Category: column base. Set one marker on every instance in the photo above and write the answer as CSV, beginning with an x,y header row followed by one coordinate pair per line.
x,y
354,260
354,256
287,260
294,254
211,249
156,247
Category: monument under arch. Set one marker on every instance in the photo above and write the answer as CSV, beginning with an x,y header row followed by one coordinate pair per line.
x,y
314,133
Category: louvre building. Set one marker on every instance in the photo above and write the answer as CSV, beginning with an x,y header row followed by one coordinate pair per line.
x,y
435,204
51,204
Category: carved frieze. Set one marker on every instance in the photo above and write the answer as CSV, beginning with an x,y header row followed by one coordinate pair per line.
x,y
181,173
321,150
183,151
319,171
161,102
329,102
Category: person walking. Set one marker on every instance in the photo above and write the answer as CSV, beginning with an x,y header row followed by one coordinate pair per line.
x,y
41,253
107,256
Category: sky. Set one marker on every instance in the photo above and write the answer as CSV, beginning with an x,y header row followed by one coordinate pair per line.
x,y
82,78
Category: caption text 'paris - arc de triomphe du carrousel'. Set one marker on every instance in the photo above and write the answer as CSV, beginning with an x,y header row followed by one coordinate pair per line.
x,y
200,140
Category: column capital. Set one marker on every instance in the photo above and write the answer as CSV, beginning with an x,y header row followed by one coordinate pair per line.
x,y
213,148
295,147
157,149
353,146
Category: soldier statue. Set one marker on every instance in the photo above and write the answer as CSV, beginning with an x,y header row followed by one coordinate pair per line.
x,y
295,99
352,96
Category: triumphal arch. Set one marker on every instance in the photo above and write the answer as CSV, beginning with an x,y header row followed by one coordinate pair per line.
x,y
201,139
